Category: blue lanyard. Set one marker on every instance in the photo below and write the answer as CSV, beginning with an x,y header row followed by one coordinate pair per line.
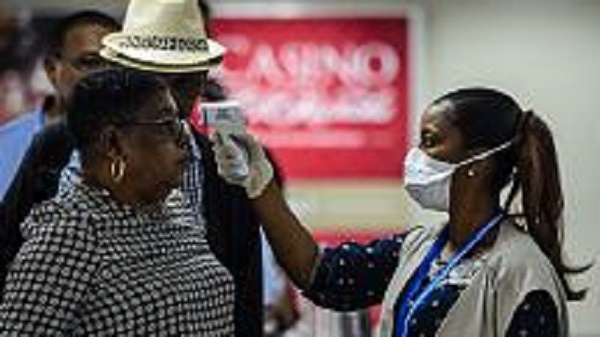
x,y
413,298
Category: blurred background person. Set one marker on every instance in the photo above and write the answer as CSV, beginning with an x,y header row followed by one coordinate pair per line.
x,y
281,310
17,45
23,87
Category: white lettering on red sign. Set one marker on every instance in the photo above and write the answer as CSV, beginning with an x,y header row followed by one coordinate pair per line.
x,y
306,83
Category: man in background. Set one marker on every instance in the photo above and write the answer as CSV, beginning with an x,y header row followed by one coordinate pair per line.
x,y
73,48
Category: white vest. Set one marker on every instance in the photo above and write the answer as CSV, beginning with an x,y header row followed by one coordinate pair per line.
x,y
514,266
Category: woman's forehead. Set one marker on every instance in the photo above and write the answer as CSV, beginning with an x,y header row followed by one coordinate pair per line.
x,y
437,118
161,104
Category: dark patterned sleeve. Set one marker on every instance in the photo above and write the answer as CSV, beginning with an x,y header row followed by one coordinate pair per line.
x,y
536,316
47,281
353,276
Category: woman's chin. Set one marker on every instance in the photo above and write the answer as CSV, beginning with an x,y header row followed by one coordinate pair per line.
x,y
162,189
169,186
162,193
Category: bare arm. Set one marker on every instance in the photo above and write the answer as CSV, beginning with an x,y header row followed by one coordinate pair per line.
x,y
294,247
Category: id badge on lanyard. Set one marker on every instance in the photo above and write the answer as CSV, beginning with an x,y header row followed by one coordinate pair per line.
x,y
414,298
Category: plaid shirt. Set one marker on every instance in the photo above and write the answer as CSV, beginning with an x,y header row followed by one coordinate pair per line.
x,y
193,178
93,266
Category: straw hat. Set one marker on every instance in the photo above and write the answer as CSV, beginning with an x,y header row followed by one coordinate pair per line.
x,y
163,36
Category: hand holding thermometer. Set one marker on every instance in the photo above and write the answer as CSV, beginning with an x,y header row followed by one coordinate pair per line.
x,y
227,119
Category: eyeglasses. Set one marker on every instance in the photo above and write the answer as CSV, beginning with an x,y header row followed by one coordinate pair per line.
x,y
175,128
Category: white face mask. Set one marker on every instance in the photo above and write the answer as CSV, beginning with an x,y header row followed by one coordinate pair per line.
x,y
427,180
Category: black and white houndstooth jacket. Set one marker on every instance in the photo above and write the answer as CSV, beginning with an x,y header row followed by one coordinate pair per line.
x,y
92,266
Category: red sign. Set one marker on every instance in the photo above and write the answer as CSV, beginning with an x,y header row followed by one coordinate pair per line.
x,y
330,97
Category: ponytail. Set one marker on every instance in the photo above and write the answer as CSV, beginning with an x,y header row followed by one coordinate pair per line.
x,y
538,177
488,118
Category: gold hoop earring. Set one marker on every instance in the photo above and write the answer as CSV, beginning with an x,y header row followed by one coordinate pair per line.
x,y
117,170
